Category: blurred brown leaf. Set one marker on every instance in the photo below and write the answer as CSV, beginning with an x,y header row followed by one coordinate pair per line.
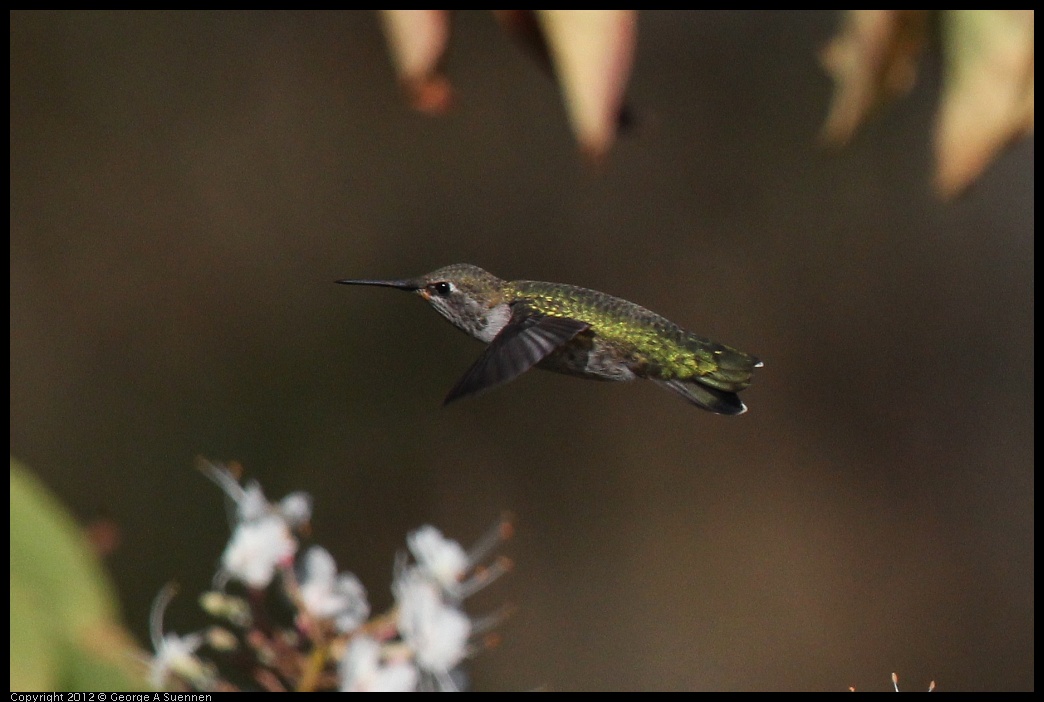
x,y
417,40
872,60
591,52
987,99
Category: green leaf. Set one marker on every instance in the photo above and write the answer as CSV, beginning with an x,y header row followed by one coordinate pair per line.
x,y
65,633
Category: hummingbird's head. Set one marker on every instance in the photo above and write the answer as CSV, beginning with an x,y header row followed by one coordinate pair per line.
x,y
469,297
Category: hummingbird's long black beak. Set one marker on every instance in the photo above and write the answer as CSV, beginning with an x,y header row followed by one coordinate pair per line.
x,y
408,285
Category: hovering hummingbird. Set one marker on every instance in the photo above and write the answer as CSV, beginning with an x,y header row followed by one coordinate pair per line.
x,y
576,331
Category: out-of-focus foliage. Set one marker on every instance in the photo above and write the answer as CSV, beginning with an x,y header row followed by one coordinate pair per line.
x,y
872,59
590,52
418,40
987,97
64,629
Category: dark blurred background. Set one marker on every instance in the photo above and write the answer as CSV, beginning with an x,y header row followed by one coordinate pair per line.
x,y
186,187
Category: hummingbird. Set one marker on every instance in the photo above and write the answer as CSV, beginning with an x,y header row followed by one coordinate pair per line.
x,y
576,331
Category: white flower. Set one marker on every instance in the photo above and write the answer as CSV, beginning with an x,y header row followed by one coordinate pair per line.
x,y
262,537
296,508
444,559
436,631
250,502
327,595
175,655
455,570
428,595
255,550
362,670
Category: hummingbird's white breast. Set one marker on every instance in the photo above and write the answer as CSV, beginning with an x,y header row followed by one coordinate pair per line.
x,y
496,320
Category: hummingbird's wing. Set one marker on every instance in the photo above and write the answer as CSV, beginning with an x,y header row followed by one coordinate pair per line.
x,y
525,341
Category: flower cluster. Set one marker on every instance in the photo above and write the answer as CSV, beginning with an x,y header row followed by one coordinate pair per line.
x,y
332,643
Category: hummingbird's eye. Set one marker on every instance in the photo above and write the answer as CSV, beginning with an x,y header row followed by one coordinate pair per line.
x,y
441,289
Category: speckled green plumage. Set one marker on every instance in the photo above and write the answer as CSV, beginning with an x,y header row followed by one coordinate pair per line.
x,y
654,346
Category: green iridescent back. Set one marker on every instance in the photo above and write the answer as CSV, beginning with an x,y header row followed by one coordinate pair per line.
x,y
659,347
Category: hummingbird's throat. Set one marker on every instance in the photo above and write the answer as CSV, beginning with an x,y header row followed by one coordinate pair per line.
x,y
472,317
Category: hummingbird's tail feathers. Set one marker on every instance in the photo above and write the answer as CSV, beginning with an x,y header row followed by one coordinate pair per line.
x,y
733,370
524,342
708,398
